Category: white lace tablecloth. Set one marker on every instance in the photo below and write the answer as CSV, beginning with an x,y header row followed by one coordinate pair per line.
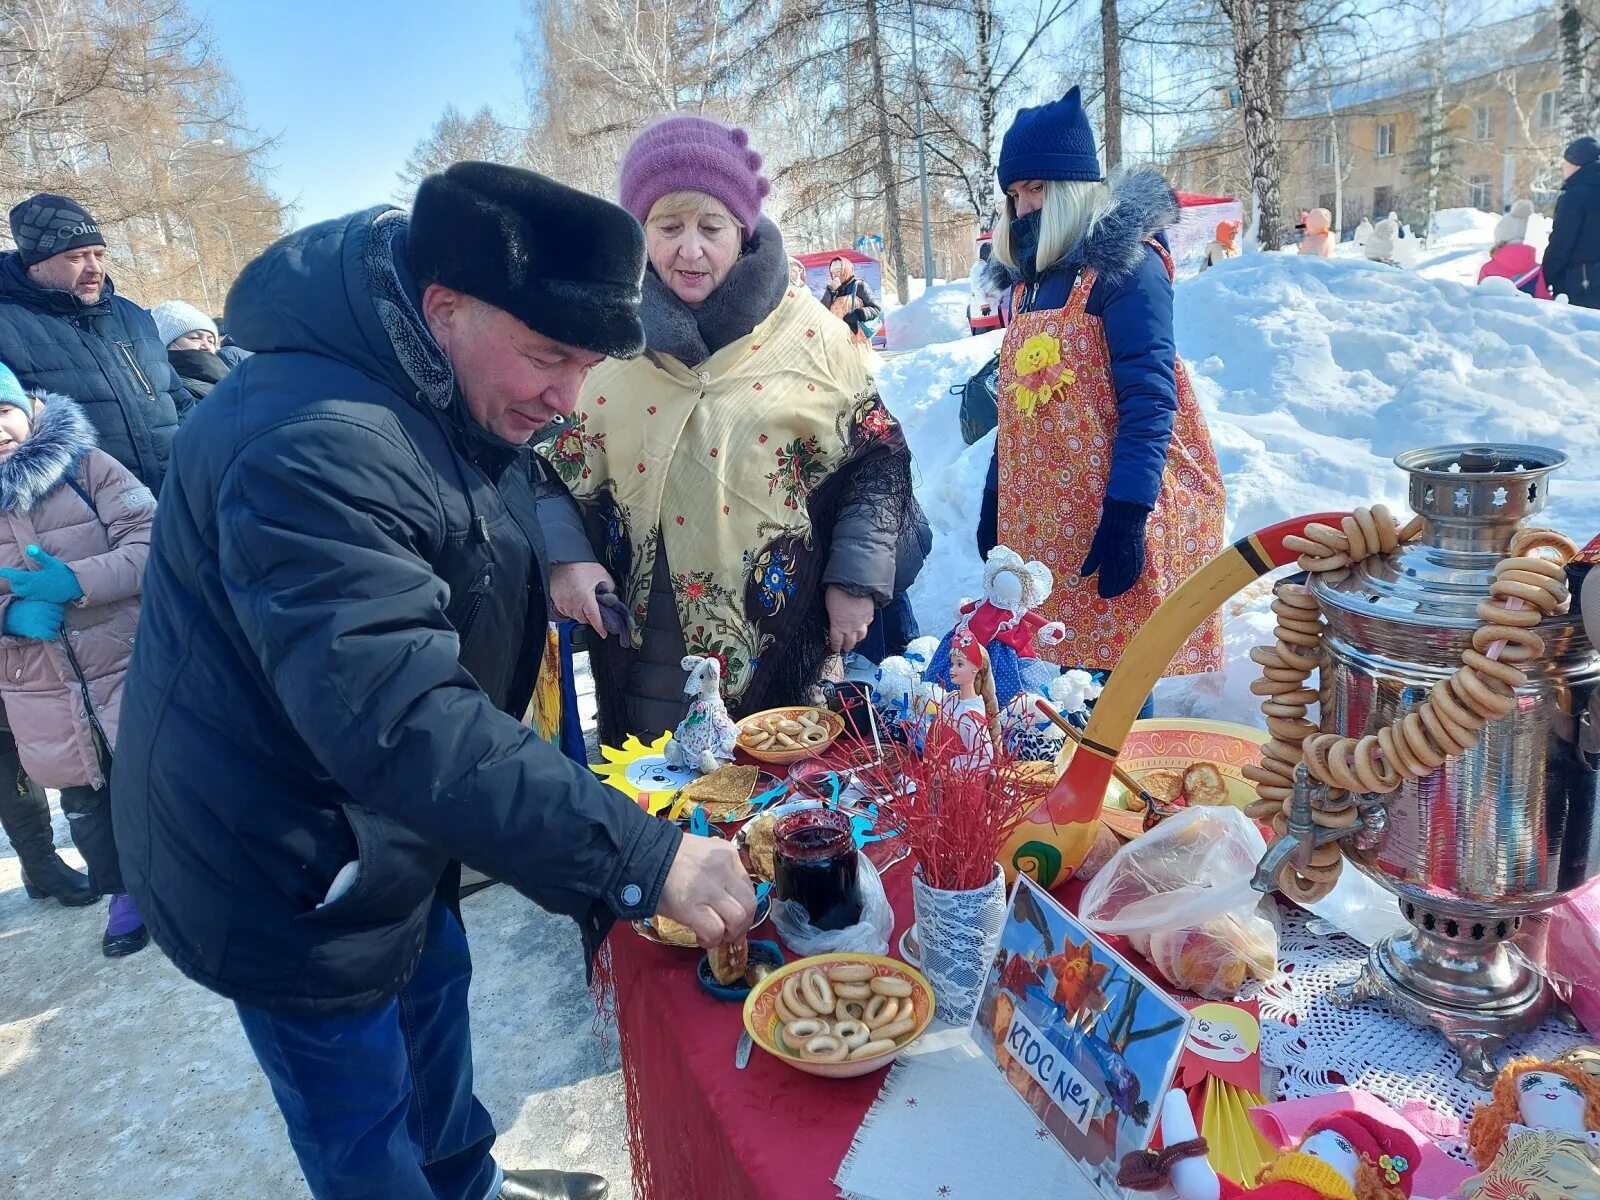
x,y
1320,1047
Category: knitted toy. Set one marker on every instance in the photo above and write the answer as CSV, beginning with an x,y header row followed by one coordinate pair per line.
x,y
1342,1156
1319,238
705,738
1538,1138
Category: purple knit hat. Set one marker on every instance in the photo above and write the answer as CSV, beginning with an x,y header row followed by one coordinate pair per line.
x,y
683,153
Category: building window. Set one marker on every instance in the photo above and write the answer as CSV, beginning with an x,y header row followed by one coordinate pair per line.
x,y
1386,139
1546,120
1478,191
1329,151
1482,123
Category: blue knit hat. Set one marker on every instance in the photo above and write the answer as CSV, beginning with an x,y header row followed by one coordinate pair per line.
x,y
11,390
1582,152
1053,141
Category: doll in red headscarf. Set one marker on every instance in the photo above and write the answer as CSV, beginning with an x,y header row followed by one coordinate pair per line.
x,y
1342,1156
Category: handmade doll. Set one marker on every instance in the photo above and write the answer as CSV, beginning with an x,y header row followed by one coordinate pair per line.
x,y
1342,1156
970,711
1538,1138
705,739
1006,625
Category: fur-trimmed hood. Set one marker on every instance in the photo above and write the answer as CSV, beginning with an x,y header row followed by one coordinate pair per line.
x,y
1142,205
61,436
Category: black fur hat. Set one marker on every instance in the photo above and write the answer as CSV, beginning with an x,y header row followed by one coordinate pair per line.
x,y
564,263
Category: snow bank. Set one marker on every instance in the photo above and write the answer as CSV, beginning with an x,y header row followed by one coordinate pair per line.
x,y
1461,242
938,314
1313,374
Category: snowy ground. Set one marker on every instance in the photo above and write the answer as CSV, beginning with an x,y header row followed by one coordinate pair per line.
x,y
123,1081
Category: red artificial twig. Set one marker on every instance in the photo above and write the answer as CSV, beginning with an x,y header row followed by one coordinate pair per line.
x,y
955,807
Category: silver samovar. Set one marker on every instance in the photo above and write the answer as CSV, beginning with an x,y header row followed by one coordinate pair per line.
x,y
1497,834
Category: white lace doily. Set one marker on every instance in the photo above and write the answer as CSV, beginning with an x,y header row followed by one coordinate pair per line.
x,y
1320,1047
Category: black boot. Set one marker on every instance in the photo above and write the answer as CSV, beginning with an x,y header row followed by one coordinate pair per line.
x,y
25,815
553,1185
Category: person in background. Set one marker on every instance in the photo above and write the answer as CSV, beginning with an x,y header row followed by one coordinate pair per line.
x,y
1572,257
850,299
344,616
73,541
64,329
1512,258
742,482
1224,246
797,273
1318,239
191,341
1103,463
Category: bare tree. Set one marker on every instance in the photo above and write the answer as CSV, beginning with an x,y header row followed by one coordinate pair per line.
x,y
483,137
125,106
1111,58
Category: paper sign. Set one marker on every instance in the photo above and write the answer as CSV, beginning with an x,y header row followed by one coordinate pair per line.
x,y
1087,1042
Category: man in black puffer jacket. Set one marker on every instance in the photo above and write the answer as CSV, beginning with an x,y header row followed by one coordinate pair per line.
x,y
344,615
64,329
1572,258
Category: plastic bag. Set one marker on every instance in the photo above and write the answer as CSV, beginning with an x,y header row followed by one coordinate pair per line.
x,y
1181,894
869,935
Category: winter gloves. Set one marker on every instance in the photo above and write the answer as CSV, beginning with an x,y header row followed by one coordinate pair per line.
x,y
37,619
54,581
38,607
1117,550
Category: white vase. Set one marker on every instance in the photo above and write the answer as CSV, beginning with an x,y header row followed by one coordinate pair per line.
x,y
958,933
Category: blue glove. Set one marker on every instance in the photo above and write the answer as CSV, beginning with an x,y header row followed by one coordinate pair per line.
x,y
37,619
1117,550
53,581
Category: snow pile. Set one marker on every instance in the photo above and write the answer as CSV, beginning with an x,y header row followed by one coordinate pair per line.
x,y
938,314
1313,374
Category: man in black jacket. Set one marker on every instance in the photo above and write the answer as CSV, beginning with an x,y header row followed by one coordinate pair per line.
x,y
1572,257
344,612
64,329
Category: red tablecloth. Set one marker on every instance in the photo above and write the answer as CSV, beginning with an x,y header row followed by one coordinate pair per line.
x,y
699,1129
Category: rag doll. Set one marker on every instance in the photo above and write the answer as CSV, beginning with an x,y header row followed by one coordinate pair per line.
x,y
1538,1138
705,739
1005,624
1342,1156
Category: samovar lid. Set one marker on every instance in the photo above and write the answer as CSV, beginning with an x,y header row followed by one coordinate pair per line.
x,y
1496,484
1472,498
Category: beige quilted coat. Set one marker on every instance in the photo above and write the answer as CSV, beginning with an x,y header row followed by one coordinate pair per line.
x,y
60,696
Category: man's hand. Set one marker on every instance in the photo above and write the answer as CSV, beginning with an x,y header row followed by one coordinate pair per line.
x,y
572,587
849,618
708,890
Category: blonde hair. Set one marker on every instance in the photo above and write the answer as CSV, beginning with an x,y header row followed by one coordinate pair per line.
x,y
1069,213
690,205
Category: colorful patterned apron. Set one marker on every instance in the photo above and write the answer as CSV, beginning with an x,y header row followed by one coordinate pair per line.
x,y
1058,423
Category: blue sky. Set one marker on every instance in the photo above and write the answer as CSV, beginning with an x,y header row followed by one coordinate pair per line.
x,y
350,86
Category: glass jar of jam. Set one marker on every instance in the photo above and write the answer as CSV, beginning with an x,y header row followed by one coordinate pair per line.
x,y
816,866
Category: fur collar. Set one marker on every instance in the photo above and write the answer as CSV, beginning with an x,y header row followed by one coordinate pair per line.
x,y
747,296
61,436
1142,205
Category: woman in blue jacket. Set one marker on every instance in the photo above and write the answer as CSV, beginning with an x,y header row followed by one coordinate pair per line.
x,y
1104,469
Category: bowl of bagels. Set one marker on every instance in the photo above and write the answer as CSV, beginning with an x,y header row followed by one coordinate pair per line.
x,y
839,1015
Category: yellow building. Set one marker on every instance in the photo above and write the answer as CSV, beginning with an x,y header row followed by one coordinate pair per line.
x,y
1359,147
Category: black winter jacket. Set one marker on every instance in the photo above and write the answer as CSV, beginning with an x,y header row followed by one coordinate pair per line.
x,y
1572,258
107,356
344,613
198,370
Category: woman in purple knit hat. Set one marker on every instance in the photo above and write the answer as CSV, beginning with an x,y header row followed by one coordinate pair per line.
x,y
741,485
